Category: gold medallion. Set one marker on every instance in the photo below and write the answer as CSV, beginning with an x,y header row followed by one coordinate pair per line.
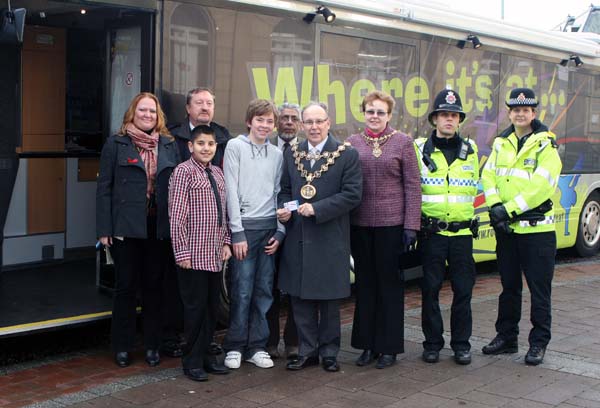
x,y
308,191
376,150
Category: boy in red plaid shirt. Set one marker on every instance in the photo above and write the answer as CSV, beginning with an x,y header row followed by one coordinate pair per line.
x,y
201,239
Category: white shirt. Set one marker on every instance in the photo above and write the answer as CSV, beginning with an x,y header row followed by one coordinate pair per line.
x,y
281,142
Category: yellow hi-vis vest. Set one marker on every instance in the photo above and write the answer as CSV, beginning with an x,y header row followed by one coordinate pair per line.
x,y
522,180
449,192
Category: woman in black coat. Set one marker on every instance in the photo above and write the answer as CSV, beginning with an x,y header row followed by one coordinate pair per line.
x,y
132,219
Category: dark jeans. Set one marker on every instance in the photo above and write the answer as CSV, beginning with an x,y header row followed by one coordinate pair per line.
x,y
200,294
319,329
379,287
534,254
458,252
137,264
251,297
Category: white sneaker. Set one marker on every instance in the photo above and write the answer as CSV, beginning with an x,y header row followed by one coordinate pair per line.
x,y
233,359
261,359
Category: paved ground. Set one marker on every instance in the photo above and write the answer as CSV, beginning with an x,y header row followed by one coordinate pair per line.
x,y
569,377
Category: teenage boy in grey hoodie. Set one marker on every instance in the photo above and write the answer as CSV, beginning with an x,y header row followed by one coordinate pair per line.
x,y
252,168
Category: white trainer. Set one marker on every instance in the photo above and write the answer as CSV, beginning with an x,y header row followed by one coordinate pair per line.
x,y
261,359
233,359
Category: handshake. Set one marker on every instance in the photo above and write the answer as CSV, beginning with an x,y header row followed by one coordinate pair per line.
x,y
499,219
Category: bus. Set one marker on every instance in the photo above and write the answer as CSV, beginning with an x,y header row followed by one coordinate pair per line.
x,y
67,81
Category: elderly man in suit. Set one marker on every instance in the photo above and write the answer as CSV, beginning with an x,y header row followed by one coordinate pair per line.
x,y
288,128
321,183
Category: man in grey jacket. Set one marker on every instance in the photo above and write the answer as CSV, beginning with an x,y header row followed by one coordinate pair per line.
x,y
252,168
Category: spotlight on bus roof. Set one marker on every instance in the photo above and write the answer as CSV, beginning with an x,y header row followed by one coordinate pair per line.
x,y
575,58
474,40
327,14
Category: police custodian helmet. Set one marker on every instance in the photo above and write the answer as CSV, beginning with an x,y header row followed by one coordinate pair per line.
x,y
447,101
521,97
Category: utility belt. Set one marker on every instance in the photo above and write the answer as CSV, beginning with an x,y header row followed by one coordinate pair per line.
x,y
536,214
431,225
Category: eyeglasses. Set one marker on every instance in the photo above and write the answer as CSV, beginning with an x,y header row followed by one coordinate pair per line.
x,y
290,118
318,122
379,113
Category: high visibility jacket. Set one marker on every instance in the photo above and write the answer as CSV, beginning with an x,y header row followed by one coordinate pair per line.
x,y
448,192
522,180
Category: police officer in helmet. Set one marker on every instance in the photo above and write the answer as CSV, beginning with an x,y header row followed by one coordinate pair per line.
x,y
449,169
519,179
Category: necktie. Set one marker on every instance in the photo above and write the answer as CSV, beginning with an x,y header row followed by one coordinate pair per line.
x,y
215,190
286,147
315,152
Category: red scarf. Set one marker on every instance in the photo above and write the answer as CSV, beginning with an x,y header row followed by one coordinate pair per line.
x,y
147,145
370,133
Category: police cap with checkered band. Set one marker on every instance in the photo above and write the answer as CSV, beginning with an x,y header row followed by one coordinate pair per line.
x,y
447,101
521,97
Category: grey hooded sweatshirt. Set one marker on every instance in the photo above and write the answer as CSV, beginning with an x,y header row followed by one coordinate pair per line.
x,y
252,176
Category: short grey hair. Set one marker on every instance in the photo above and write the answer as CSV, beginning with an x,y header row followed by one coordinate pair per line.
x,y
194,91
321,105
287,105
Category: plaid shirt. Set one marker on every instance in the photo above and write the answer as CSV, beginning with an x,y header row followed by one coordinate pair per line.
x,y
195,231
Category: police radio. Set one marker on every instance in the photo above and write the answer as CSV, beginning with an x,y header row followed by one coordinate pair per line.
x,y
464,149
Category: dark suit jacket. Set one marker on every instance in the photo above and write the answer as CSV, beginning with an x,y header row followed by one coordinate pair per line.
x,y
315,262
182,133
121,189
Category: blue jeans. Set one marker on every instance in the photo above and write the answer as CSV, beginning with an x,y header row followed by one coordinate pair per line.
x,y
251,296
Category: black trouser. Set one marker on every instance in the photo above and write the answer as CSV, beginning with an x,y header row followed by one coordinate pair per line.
x,y
457,251
290,332
534,254
318,323
172,304
137,263
200,294
379,287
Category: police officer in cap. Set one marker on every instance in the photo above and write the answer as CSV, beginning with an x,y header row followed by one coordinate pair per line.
x,y
449,172
519,179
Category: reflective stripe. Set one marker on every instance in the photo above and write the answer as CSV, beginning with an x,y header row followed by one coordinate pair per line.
x,y
462,182
491,191
432,181
545,221
521,203
433,198
489,165
540,171
513,173
440,198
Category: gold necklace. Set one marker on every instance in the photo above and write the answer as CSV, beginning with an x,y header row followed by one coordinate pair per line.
x,y
375,143
308,191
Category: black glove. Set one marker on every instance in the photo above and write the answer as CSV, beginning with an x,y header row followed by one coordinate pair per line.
x,y
409,239
498,214
502,228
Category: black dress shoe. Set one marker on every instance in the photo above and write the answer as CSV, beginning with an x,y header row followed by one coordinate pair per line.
x,y
330,364
152,357
195,374
462,357
366,358
214,367
122,358
386,360
302,362
171,348
501,346
535,355
431,356
215,349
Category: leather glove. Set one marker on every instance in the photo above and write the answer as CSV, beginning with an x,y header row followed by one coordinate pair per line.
x,y
502,228
498,214
409,239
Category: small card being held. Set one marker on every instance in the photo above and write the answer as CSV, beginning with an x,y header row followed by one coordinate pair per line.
x,y
291,205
